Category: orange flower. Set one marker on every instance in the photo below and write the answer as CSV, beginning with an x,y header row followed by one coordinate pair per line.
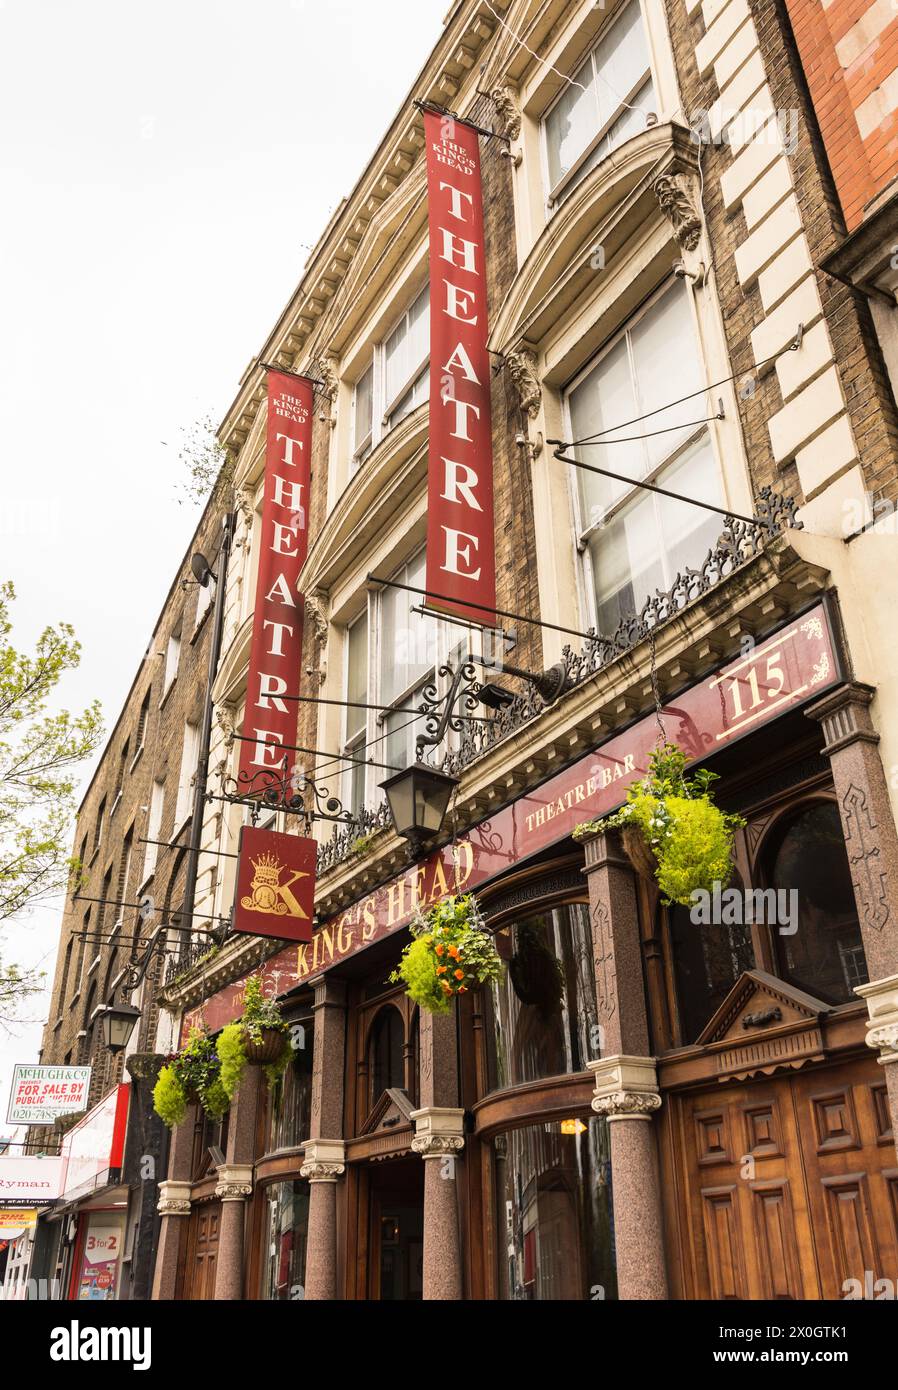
x,y
447,988
463,989
441,969
459,974
440,950
453,951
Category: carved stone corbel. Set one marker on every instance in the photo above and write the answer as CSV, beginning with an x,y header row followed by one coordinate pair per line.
x,y
678,199
174,1199
324,1160
318,609
506,104
226,718
522,368
325,368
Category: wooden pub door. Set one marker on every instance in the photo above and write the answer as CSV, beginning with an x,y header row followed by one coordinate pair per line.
x,y
778,1158
202,1251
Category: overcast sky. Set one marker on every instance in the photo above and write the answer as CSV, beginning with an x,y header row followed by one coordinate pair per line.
x,y
165,166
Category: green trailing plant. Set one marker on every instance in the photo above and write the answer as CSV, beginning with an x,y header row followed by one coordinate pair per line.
x,y
169,1098
450,953
261,1014
260,1011
688,838
192,1074
362,843
231,1051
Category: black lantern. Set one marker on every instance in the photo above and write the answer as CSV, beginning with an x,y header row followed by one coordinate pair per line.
x,y
418,798
118,1024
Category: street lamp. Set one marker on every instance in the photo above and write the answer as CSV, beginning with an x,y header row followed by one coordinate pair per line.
x,y
118,1024
418,798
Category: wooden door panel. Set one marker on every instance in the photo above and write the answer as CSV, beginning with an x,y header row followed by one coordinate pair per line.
x,y
202,1252
724,1243
774,1227
850,1161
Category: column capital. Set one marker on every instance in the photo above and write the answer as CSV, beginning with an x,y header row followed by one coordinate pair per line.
x,y
438,1132
605,850
324,1160
882,1006
174,1198
845,716
626,1088
235,1181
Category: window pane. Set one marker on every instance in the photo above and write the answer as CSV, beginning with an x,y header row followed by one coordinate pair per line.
x,y
626,562
666,361
621,60
554,1209
632,121
825,955
571,124
285,1232
364,403
291,1100
544,1019
357,677
603,400
407,347
707,963
688,532
408,640
385,1053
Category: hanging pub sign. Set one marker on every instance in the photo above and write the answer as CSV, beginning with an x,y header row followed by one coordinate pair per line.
x,y
270,722
275,885
461,559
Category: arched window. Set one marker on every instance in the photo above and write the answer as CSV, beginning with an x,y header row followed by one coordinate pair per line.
x,y
806,860
707,962
385,1049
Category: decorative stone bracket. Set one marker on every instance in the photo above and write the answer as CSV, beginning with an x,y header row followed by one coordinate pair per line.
x,y
235,1181
677,196
324,1160
882,1006
438,1132
626,1088
174,1198
522,368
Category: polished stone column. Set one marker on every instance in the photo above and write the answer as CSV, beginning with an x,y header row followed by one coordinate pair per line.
x,y
871,841
324,1165
439,1139
325,1153
235,1185
626,1080
174,1208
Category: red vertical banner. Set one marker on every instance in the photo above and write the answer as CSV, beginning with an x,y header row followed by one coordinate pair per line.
x,y
270,721
461,556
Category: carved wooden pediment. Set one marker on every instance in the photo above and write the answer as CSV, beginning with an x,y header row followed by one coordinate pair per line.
x,y
392,1111
763,1026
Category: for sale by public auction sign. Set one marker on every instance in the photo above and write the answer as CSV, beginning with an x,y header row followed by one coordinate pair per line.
x,y
39,1095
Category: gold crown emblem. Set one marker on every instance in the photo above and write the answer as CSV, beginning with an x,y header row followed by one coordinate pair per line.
x,y
268,870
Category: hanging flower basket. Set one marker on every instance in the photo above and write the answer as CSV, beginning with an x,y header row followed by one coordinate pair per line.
x,y
451,952
191,1076
260,1038
671,829
640,854
267,1049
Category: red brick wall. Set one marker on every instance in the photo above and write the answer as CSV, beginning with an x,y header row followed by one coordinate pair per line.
x,y
861,166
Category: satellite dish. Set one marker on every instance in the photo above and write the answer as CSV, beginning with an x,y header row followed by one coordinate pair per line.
x,y
202,572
